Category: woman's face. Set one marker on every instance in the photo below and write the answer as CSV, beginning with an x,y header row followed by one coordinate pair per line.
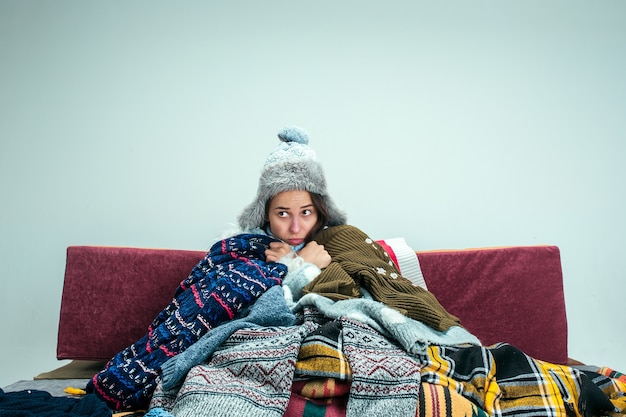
x,y
292,216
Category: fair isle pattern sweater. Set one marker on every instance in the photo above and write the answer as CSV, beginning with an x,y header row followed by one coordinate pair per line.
x,y
252,372
231,277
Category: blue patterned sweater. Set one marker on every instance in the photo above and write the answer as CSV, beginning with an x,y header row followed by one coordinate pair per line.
x,y
231,277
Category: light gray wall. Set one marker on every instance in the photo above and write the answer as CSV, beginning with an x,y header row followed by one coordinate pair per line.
x,y
454,124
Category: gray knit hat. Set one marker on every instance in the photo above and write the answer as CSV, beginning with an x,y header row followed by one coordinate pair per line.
x,y
291,166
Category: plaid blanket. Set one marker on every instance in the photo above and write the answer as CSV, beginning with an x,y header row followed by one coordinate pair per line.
x,y
504,381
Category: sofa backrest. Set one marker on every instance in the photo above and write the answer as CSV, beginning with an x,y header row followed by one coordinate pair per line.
x,y
111,295
515,295
510,294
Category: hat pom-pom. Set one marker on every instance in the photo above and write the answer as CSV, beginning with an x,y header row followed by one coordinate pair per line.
x,y
294,134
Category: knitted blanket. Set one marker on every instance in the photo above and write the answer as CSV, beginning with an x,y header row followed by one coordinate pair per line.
x,y
253,371
358,261
269,310
230,278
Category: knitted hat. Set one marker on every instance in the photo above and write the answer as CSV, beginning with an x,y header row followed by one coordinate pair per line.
x,y
291,166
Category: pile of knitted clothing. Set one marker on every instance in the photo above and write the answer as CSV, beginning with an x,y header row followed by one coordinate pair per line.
x,y
256,370
244,354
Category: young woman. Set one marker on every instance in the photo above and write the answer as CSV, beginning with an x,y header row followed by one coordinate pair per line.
x,y
276,245
221,332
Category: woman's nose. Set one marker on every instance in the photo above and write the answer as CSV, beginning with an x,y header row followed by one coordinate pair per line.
x,y
295,225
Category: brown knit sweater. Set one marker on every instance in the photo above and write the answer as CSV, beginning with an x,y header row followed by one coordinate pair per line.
x,y
359,261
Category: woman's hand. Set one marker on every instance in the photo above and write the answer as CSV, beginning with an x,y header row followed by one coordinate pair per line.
x,y
276,251
315,253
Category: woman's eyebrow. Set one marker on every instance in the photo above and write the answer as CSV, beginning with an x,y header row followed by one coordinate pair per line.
x,y
289,208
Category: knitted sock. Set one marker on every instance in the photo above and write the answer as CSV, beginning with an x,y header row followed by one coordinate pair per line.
x,y
384,377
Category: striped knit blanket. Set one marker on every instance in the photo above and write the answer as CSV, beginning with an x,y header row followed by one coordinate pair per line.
x,y
231,277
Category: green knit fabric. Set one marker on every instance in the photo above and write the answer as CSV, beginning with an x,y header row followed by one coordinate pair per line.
x,y
357,261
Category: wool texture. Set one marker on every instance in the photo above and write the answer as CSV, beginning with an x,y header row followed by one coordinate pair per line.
x,y
231,277
33,403
384,377
252,372
250,375
269,310
158,412
358,261
321,354
413,335
292,165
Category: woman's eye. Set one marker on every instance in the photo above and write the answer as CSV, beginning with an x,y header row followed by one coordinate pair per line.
x,y
306,212
282,214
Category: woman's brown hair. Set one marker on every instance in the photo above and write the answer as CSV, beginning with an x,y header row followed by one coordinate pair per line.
x,y
322,214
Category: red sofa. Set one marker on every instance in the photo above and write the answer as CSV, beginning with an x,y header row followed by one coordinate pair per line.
x,y
509,294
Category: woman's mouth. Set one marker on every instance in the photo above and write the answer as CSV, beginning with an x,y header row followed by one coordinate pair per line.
x,y
295,242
